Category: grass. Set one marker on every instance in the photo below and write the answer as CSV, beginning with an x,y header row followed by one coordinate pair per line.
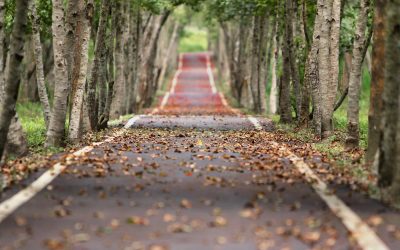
x,y
340,116
32,121
193,39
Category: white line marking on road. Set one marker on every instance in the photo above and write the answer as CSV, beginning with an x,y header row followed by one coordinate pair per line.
x,y
255,122
175,81
133,120
225,103
165,100
13,203
360,231
211,75
173,87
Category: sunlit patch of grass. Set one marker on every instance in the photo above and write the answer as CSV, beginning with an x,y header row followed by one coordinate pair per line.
x,y
340,116
32,121
193,39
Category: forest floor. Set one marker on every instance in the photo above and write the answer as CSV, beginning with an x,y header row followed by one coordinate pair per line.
x,y
194,173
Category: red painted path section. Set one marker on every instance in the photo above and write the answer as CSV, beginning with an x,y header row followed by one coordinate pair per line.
x,y
193,92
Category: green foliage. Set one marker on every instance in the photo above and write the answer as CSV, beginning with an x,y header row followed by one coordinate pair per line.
x,y
193,39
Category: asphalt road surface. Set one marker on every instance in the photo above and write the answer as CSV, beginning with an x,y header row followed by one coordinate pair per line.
x,y
192,174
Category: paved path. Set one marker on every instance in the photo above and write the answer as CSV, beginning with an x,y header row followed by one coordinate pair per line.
x,y
193,174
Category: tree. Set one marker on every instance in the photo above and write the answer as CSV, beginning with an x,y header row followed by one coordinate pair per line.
x,y
99,63
38,51
56,130
328,58
79,72
13,74
389,159
361,43
377,81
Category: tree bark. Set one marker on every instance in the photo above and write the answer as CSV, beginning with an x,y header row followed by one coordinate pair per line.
x,y
81,57
110,71
311,74
168,53
355,80
285,106
38,51
72,16
56,131
377,81
273,97
294,74
12,80
329,62
389,164
149,56
100,55
262,63
118,99
255,69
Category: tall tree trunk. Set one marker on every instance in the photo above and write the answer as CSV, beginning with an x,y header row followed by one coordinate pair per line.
x,y
355,80
137,37
240,63
294,74
100,55
38,51
56,131
118,99
389,164
81,57
262,63
273,97
128,59
12,80
311,74
167,57
255,53
377,81
285,107
72,16
110,71
149,59
329,62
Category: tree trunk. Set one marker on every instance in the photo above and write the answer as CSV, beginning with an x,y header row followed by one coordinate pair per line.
x,y
377,81
311,74
56,131
72,16
389,162
285,106
38,51
81,57
167,57
12,80
110,72
148,63
137,37
329,62
16,142
118,99
262,63
100,55
355,80
255,63
273,97
294,74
